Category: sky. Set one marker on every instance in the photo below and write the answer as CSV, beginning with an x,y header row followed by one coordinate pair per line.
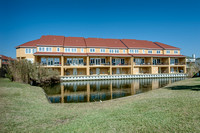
x,y
173,22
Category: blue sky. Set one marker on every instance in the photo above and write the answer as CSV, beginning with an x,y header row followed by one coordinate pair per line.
x,y
173,22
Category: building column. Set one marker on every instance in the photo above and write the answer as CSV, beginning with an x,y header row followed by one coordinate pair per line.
x,y
132,88
151,71
88,66
88,92
185,71
169,65
62,94
34,59
111,90
151,60
110,65
62,64
131,65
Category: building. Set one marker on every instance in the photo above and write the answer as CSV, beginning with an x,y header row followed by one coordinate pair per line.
x,y
97,56
4,60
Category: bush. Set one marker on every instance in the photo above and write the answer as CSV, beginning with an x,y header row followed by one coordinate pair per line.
x,y
193,69
27,72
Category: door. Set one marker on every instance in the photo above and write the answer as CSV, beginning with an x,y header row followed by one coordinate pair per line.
x,y
75,61
122,62
172,61
117,61
97,71
154,61
74,71
172,70
176,61
50,61
98,61
117,71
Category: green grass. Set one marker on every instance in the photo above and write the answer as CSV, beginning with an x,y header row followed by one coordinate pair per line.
x,y
176,108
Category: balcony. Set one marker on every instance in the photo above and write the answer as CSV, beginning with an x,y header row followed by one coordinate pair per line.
x,y
75,64
140,63
50,64
100,64
162,63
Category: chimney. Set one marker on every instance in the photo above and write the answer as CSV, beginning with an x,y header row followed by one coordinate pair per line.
x,y
193,56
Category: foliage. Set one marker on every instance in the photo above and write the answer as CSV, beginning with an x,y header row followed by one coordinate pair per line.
x,y
24,71
193,69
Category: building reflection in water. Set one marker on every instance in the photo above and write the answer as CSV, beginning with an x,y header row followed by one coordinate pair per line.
x,y
91,91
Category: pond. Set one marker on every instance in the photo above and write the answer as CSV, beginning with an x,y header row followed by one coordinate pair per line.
x,y
101,90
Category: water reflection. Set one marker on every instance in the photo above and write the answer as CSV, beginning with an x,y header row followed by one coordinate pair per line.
x,y
90,91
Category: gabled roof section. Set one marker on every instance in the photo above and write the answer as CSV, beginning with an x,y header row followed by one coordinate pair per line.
x,y
165,46
106,43
29,44
132,43
3,57
74,42
51,40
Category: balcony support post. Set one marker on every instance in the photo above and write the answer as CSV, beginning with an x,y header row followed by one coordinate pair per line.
x,y
110,65
88,67
62,64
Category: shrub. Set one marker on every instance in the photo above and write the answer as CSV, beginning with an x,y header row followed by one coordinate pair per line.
x,y
27,72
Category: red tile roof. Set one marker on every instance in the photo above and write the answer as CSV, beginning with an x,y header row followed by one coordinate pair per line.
x,y
165,46
74,42
29,44
51,40
3,57
132,43
107,43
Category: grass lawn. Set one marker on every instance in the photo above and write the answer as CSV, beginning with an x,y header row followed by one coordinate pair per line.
x,y
176,108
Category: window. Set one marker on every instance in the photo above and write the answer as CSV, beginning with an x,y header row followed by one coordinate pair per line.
x,y
67,50
92,50
168,51
124,51
92,61
103,61
130,50
43,61
34,50
82,50
28,51
69,61
133,51
175,51
150,51
158,51
58,49
74,50
48,49
102,50
56,61
114,50
80,60
41,49
143,51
